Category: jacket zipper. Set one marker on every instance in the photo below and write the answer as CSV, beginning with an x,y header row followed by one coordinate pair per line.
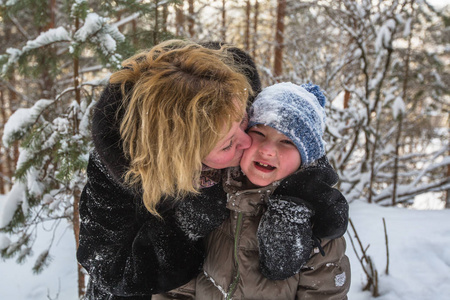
x,y
235,282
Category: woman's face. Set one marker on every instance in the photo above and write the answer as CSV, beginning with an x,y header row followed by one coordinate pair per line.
x,y
229,150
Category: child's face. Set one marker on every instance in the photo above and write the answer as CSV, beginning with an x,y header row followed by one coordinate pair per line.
x,y
272,156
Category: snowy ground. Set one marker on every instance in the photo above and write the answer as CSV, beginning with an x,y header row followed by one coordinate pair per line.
x,y
419,246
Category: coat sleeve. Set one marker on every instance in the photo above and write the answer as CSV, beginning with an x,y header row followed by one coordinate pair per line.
x,y
326,277
126,251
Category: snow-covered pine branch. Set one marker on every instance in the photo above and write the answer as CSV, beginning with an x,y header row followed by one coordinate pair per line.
x,y
98,31
19,123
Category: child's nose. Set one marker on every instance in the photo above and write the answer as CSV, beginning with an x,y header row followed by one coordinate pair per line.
x,y
267,148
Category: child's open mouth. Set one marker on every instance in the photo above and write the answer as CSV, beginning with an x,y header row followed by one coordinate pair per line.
x,y
263,167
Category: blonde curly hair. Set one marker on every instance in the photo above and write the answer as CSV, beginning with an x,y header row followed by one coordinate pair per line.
x,y
178,98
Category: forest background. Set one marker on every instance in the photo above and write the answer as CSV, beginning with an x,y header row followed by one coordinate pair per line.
x,y
384,66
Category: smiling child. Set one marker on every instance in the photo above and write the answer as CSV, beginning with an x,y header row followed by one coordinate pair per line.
x,y
283,237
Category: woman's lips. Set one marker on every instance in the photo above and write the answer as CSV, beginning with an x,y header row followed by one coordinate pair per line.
x,y
263,167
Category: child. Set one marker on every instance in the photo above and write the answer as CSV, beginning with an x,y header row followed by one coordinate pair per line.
x,y
264,249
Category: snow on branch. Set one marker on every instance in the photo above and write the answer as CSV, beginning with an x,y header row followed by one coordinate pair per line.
x,y
444,162
15,197
12,55
409,191
415,188
96,30
98,82
8,2
384,35
4,241
22,119
51,36
127,20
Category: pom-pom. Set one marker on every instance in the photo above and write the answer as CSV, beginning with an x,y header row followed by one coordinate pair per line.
x,y
315,90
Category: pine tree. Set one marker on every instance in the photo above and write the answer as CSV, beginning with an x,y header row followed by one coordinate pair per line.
x,y
67,47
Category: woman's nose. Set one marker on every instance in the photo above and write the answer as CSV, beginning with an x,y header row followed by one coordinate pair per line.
x,y
243,140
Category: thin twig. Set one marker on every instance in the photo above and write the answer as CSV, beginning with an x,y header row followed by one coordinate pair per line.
x,y
387,247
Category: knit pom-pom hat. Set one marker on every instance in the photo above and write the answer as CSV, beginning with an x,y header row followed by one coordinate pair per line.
x,y
297,112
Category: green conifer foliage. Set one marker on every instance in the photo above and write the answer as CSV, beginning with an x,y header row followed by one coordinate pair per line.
x,y
61,60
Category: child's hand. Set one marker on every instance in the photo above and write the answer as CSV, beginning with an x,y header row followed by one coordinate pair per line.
x,y
284,237
199,215
314,186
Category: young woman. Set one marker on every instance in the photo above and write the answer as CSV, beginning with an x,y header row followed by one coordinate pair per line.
x,y
162,129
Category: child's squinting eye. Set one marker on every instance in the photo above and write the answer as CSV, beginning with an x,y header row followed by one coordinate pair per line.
x,y
256,132
289,142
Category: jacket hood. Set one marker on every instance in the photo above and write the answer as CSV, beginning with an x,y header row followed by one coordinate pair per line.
x,y
106,120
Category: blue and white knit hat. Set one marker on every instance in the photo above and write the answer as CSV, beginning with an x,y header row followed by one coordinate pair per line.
x,y
297,112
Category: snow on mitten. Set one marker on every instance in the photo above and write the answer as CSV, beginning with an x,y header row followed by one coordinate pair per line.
x,y
199,215
313,184
284,237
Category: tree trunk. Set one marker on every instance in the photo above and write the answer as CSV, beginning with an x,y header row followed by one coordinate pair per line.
x,y
2,182
255,28
191,20
224,23
3,157
179,19
400,118
164,20
52,21
47,80
134,28
396,155
447,196
11,101
447,192
13,106
155,26
346,99
247,26
279,39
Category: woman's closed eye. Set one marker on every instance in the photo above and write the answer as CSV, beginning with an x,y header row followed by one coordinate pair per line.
x,y
228,147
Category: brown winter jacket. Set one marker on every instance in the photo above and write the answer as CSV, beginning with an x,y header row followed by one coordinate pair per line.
x,y
231,268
